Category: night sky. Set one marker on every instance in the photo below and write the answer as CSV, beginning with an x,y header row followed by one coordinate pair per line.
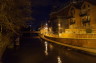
x,y
42,8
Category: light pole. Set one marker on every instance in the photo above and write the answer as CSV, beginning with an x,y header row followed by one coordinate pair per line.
x,y
46,29
59,26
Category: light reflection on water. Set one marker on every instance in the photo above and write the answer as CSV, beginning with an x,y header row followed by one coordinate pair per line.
x,y
59,59
62,54
36,51
51,47
46,48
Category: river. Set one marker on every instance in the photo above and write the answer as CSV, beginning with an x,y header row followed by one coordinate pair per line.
x,y
37,50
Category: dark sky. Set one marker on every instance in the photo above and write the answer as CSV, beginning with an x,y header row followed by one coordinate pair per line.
x,y
42,8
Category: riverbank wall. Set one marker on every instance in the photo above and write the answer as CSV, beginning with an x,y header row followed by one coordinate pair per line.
x,y
87,45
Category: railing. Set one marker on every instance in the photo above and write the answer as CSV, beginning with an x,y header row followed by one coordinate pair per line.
x,y
72,23
85,21
83,13
86,36
74,36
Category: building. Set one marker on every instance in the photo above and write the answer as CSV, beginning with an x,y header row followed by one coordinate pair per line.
x,y
77,16
75,24
88,14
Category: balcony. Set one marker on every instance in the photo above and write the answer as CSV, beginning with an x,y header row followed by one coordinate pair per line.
x,y
71,23
85,21
83,14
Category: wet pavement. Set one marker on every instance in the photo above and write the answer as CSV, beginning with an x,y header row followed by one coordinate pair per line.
x,y
36,50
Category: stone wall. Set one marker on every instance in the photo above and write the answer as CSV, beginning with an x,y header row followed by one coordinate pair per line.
x,y
87,43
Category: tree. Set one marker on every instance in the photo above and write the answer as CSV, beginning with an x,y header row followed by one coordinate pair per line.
x,y
13,15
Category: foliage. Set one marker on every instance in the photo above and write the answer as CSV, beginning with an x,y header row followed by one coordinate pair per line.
x,y
14,14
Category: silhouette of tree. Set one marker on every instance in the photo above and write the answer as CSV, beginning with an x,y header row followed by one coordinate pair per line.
x,y
13,15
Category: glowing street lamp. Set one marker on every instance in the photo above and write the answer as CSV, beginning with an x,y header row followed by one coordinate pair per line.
x,y
46,28
59,29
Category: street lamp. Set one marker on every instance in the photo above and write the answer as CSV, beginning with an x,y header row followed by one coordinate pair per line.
x,y
59,27
45,29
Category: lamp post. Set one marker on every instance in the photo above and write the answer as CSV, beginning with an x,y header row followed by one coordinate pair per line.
x,y
59,26
46,29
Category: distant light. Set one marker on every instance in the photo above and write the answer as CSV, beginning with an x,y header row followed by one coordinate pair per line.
x,y
59,24
51,46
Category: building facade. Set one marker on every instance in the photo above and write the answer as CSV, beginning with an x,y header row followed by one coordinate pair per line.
x,y
78,16
75,24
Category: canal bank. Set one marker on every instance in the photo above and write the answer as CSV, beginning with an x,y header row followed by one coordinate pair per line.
x,y
60,41
36,50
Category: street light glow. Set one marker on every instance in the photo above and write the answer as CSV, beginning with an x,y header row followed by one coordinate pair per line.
x,y
46,27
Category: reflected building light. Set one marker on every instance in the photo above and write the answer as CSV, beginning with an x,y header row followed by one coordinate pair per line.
x,y
51,46
59,59
46,48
